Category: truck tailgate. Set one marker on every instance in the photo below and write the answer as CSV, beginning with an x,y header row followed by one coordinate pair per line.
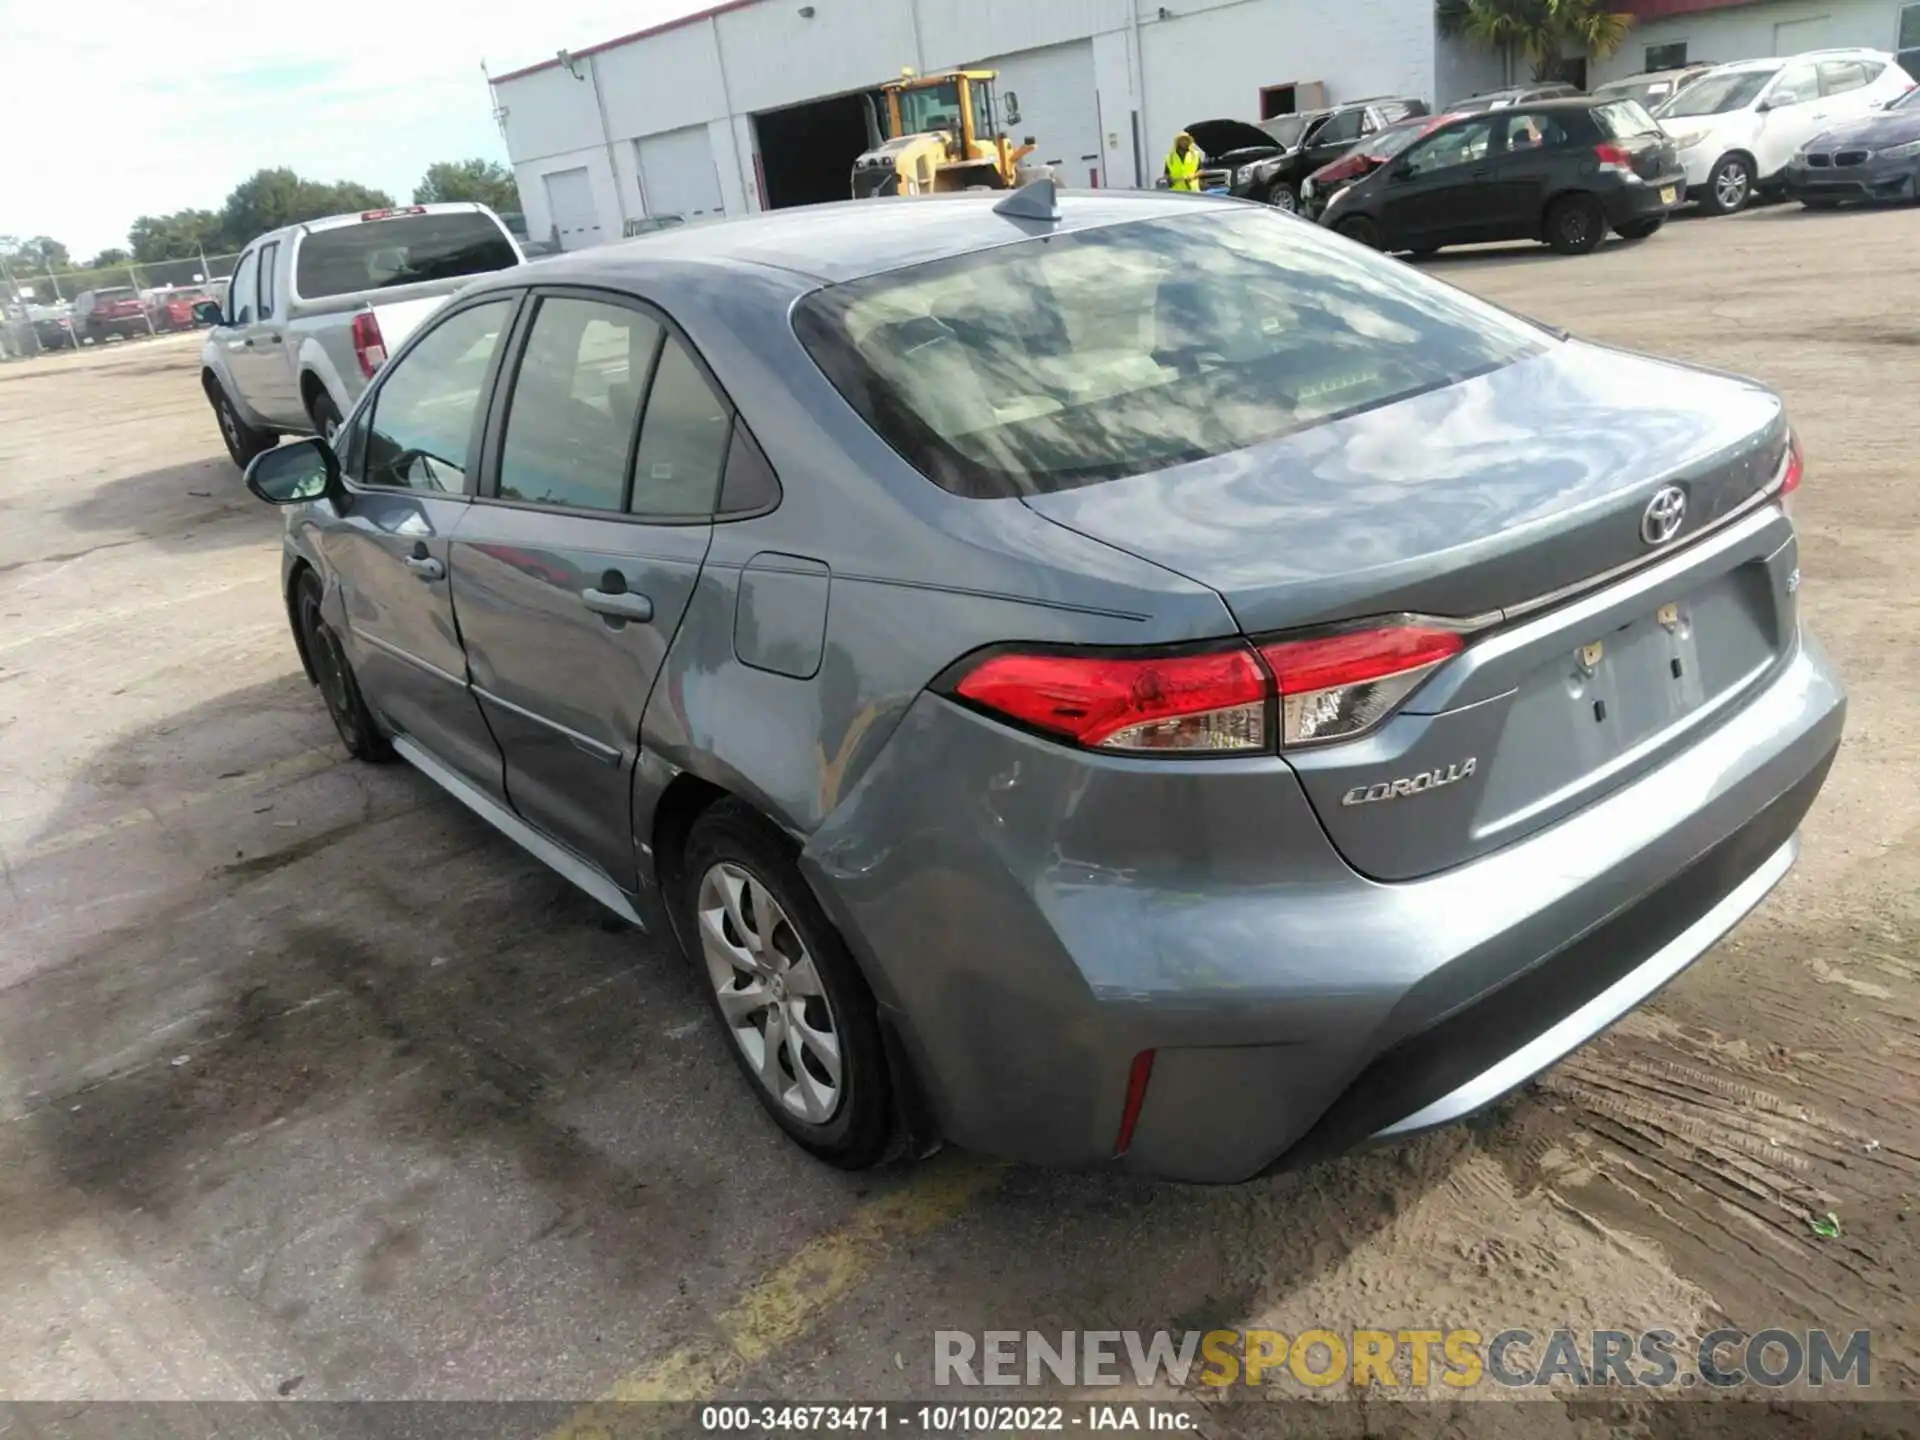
x,y
400,318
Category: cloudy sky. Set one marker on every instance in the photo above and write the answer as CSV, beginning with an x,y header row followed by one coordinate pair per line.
x,y
126,107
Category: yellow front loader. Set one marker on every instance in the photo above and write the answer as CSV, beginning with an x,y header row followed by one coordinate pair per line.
x,y
939,135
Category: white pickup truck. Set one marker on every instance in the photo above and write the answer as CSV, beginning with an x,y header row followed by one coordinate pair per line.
x,y
312,311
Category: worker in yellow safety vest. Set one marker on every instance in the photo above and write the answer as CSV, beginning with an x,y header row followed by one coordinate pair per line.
x,y
1183,163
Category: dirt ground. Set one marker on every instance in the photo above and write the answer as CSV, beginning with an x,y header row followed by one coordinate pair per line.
x,y
311,1086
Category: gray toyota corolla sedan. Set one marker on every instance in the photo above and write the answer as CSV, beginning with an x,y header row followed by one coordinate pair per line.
x,y
1132,681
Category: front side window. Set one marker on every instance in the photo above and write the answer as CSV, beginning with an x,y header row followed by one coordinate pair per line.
x,y
1717,94
1464,144
1797,85
240,289
1340,129
576,394
683,441
421,437
1060,362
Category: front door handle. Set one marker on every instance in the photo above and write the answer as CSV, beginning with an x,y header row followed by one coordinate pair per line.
x,y
424,565
618,604
1478,174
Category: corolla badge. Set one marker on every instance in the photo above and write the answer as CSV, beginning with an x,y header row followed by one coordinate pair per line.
x,y
1664,515
1411,784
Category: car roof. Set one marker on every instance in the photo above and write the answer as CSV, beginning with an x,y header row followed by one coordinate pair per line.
x,y
1645,77
853,238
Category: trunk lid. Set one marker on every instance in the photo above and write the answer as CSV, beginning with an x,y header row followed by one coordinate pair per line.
x,y
1486,500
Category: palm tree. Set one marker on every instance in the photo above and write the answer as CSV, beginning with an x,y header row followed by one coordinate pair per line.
x,y
1542,30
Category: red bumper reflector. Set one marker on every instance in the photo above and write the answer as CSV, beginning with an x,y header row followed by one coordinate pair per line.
x,y
1137,1079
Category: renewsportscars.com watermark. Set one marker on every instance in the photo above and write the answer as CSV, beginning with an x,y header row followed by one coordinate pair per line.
x,y
1459,1359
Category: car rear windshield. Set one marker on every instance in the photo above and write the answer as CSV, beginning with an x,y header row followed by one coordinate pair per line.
x,y
1717,94
1623,119
379,254
1070,359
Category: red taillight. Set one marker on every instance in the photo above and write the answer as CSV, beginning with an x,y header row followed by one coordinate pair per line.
x,y
1335,686
1137,1078
1795,466
1210,703
1329,687
1613,157
369,348
1792,469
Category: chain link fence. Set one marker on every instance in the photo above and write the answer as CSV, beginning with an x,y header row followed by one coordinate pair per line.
x,y
39,313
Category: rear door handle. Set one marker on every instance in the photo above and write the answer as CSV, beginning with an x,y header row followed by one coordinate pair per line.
x,y
426,567
618,604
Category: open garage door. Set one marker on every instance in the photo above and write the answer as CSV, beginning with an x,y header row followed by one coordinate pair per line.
x,y
806,152
676,167
1049,94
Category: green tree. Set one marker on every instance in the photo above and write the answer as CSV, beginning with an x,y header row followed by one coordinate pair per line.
x,y
112,255
177,236
269,199
485,182
1545,31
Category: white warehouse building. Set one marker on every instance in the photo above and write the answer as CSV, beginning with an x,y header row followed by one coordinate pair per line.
x,y
758,104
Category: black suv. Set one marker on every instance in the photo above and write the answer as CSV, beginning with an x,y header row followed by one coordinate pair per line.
x,y
1269,160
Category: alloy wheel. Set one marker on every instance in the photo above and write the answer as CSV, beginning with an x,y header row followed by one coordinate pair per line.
x,y
1730,186
770,992
1283,199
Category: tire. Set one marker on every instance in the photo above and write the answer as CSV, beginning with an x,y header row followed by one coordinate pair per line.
x,y
243,441
1284,197
1361,230
1639,229
325,415
750,926
333,674
1575,225
1729,186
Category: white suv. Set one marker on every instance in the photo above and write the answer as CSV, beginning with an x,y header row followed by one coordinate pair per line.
x,y
1738,125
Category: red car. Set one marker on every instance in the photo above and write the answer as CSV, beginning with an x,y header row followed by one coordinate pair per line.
x,y
1366,157
115,310
173,309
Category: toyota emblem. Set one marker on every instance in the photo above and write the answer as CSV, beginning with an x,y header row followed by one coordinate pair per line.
x,y
1664,516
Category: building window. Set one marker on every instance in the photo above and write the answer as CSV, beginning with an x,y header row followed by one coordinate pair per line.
x,y
1673,56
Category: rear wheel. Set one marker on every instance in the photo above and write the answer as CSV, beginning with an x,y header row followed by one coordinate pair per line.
x,y
1640,229
244,441
796,1013
325,415
1575,224
1729,186
1361,230
333,673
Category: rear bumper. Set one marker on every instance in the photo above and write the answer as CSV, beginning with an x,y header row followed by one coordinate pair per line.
x,y
1644,200
1032,919
1875,180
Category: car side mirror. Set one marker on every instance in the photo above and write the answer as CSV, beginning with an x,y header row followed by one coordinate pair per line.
x,y
207,312
295,473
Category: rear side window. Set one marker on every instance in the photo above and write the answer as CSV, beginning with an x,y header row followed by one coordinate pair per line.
x,y
575,399
379,254
1082,357
1839,76
683,440
269,260
1623,119
1534,132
